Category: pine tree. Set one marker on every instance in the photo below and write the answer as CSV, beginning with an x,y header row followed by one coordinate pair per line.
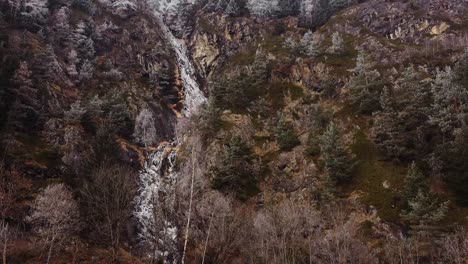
x,y
61,27
233,8
76,112
338,46
84,5
339,4
34,11
364,89
400,130
25,113
461,70
337,158
182,21
388,131
221,5
263,8
414,182
86,70
290,43
261,68
424,209
46,66
450,103
285,135
363,62
313,13
124,6
289,7
310,44
236,171
455,156
82,41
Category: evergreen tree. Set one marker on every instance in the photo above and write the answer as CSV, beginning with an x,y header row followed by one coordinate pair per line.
x,y
236,171
337,158
424,209
61,27
363,62
83,42
221,5
414,182
364,89
235,93
285,135
84,5
46,66
310,44
34,12
400,128
289,7
261,68
461,70
290,43
455,156
388,130
182,21
233,8
25,113
338,46
208,120
450,103
313,13
263,8
86,70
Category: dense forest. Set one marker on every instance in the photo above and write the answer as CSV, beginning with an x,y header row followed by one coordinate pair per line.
x,y
234,131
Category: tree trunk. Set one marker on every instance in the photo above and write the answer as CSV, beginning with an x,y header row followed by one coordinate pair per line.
x,y
207,237
5,242
49,254
190,209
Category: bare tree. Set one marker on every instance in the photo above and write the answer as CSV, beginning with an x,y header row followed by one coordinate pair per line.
x,y
55,217
4,239
339,242
190,206
454,248
401,250
107,198
283,232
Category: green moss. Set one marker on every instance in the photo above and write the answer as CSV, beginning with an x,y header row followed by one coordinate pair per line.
x,y
366,228
369,175
274,45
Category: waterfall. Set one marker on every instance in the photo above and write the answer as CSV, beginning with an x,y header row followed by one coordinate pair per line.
x,y
155,201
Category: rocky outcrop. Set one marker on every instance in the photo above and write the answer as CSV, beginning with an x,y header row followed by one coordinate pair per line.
x,y
216,37
205,52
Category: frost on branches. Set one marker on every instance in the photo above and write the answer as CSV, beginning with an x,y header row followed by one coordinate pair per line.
x,y
156,197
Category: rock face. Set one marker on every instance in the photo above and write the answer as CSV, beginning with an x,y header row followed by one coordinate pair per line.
x,y
408,21
205,52
216,37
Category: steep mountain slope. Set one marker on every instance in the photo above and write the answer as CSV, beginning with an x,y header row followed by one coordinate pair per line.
x,y
234,131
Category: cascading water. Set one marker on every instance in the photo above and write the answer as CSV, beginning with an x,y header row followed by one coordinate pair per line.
x,y
157,179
